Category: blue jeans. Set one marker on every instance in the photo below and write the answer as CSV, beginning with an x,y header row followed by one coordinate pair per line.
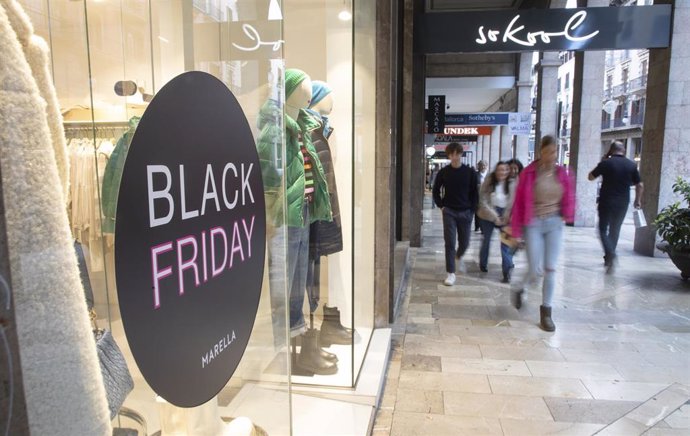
x,y
296,255
458,224
611,217
506,252
543,240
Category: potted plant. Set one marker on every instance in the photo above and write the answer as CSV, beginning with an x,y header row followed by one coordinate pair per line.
x,y
673,225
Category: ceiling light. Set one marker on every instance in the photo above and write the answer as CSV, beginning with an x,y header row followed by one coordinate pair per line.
x,y
345,15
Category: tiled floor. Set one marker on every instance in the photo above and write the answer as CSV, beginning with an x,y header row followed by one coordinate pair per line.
x,y
466,362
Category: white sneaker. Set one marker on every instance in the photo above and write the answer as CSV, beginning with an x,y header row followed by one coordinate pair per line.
x,y
450,280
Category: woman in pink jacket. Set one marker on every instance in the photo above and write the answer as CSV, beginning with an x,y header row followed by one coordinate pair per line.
x,y
544,200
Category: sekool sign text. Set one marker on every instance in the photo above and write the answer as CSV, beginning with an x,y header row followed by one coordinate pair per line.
x,y
190,239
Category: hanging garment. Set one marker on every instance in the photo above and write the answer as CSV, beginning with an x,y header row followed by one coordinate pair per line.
x,y
61,377
113,175
38,55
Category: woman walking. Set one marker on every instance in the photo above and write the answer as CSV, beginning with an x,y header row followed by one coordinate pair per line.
x,y
495,203
544,199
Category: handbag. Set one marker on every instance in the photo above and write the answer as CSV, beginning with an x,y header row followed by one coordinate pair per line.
x,y
116,377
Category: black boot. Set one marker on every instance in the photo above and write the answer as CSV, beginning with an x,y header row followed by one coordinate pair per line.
x,y
310,358
546,322
332,331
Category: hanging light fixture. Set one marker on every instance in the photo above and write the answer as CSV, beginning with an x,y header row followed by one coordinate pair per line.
x,y
345,14
274,12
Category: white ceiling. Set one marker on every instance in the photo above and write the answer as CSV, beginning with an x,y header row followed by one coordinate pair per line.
x,y
469,94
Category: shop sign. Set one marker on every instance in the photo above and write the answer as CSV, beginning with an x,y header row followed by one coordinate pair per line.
x,y
255,40
520,123
596,28
437,113
190,239
455,138
480,119
467,131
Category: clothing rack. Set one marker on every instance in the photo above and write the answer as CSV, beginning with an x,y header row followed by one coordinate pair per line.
x,y
82,129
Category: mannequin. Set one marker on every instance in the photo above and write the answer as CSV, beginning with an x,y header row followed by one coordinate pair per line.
x,y
302,187
325,236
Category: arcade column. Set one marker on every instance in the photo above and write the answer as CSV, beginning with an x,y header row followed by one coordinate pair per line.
x,y
524,86
547,102
585,140
666,132
495,147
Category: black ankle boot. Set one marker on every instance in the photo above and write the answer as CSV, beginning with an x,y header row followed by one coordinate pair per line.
x,y
332,331
546,321
310,357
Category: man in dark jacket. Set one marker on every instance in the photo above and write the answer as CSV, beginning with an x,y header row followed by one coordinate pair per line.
x,y
619,174
455,193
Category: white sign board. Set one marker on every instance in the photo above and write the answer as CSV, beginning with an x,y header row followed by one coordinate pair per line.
x,y
520,123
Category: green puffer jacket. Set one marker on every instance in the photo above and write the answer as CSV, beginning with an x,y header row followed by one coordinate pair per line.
x,y
113,175
269,146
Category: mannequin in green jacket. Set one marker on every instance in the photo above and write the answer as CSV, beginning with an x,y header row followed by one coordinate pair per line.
x,y
304,193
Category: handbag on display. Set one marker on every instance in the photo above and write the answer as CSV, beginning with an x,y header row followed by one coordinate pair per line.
x,y
116,376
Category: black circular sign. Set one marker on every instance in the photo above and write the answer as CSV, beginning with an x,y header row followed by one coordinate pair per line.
x,y
190,239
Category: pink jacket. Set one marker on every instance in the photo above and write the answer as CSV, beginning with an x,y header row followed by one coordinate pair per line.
x,y
523,208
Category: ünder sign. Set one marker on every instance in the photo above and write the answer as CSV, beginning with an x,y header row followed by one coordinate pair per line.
x,y
190,239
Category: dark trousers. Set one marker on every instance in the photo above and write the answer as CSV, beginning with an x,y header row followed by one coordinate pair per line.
x,y
611,217
456,224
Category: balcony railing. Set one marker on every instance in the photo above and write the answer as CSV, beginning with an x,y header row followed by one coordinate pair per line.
x,y
638,83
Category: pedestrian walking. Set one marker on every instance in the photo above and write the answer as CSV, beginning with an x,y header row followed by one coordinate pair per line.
x,y
619,174
482,170
516,168
544,199
495,204
455,193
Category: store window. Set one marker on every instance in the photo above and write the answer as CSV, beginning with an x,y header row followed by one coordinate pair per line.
x,y
303,76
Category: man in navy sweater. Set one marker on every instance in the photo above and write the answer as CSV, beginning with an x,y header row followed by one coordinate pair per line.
x,y
456,194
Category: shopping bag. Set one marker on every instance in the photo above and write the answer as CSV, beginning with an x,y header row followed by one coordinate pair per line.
x,y
508,240
638,217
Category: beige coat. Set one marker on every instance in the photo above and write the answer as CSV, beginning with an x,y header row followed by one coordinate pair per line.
x,y
487,210
62,380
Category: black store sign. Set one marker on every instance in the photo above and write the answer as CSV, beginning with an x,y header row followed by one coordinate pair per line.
x,y
190,239
598,28
437,113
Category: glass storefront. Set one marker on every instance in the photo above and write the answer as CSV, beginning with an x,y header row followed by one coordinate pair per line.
x,y
285,61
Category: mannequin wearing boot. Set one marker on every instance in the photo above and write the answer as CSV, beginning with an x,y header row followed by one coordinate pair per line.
x,y
326,237
311,359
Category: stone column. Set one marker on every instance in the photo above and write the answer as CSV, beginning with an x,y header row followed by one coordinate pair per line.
x,y
524,87
585,139
666,133
413,125
386,140
506,152
547,89
495,147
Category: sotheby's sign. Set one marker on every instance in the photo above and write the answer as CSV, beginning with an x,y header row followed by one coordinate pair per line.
x,y
597,28
190,239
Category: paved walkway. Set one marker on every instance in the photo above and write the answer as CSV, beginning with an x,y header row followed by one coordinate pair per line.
x,y
464,361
